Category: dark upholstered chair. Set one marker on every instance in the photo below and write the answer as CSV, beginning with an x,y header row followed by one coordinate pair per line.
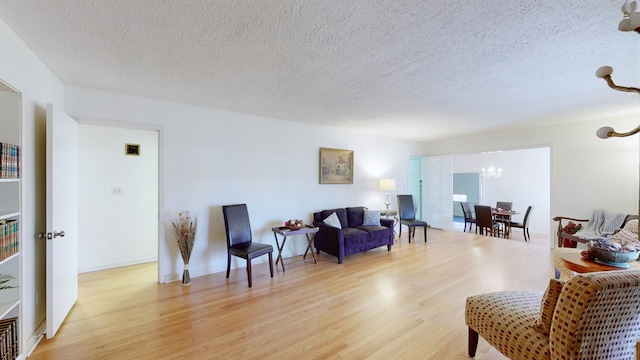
x,y
524,225
484,221
407,214
239,239
504,205
468,215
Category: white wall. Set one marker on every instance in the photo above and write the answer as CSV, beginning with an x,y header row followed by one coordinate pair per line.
x,y
20,68
587,173
116,229
211,158
526,180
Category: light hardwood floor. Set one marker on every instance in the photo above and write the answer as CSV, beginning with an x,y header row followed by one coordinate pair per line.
x,y
404,304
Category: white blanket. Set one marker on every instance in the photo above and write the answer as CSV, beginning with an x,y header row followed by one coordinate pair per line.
x,y
602,224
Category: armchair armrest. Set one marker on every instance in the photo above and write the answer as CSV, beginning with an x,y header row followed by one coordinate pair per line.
x,y
561,235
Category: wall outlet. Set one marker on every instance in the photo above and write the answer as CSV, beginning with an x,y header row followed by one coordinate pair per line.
x,y
116,191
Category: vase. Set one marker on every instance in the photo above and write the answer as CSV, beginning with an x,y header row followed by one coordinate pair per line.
x,y
186,279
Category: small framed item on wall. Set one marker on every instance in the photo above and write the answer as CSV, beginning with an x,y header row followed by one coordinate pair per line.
x,y
132,149
336,166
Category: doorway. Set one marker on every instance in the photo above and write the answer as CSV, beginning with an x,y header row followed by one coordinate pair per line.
x,y
525,180
466,188
117,197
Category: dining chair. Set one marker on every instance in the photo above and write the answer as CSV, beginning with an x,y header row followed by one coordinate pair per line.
x,y
485,222
504,205
468,215
239,239
407,214
524,225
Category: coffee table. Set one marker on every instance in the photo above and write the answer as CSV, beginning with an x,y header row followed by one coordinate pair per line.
x,y
574,262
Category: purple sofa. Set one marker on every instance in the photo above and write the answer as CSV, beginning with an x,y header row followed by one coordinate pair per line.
x,y
353,237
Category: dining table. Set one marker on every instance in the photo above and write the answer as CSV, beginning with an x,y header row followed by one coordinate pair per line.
x,y
505,218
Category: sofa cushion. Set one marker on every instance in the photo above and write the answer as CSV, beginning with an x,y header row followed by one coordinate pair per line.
x,y
355,216
376,233
355,240
332,220
341,213
371,217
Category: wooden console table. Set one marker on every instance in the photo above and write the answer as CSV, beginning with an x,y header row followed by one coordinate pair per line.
x,y
286,232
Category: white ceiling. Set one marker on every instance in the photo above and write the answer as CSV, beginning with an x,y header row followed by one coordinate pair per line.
x,y
413,69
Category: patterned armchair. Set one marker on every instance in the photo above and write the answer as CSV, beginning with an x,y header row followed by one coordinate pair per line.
x,y
590,316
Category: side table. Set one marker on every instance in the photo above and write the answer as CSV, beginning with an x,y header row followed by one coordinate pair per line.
x,y
286,232
391,214
574,262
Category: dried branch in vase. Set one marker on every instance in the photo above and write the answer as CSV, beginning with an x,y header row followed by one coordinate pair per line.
x,y
185,227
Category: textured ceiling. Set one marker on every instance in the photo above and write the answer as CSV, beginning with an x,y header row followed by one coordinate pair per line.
x,y
414,69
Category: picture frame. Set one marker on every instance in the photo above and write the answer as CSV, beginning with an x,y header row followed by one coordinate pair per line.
x,y
335,166
132,149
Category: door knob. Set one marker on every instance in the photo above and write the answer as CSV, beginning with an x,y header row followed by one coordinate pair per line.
x,y
50,236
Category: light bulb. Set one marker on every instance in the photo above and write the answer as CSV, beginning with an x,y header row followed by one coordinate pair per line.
x,y
625,25
604,71
604,132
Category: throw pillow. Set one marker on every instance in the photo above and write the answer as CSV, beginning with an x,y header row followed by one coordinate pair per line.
x,y
632,225
332,220
625,237
371,217
548,306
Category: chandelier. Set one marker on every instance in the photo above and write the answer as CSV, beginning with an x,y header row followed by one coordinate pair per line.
x,y
631,18
491,172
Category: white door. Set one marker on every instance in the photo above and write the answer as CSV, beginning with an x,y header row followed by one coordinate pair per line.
x,y
62,217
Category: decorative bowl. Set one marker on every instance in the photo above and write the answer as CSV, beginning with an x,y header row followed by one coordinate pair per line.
x,y
613,256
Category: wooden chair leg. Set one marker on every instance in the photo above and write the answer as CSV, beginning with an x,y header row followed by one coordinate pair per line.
x,y
249,271
425,233
473,342
228,263
271,263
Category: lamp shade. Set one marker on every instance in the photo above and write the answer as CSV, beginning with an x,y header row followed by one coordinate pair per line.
x,y
387,184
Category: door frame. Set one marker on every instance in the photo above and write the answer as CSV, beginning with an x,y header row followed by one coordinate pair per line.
x,y
160,176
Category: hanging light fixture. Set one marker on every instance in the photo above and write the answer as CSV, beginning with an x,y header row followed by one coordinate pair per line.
x,y
631,17
630,22
491,172
605,132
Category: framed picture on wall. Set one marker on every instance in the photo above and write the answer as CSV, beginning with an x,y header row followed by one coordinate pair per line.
x,y
336,166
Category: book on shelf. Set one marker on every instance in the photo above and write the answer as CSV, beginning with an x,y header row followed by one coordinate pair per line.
x,y
9,238
8,339
9,161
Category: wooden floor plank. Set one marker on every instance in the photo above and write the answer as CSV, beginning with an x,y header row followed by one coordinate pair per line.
x,y
404,304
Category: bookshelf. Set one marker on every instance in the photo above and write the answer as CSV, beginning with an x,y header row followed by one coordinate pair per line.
x,y
10,218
